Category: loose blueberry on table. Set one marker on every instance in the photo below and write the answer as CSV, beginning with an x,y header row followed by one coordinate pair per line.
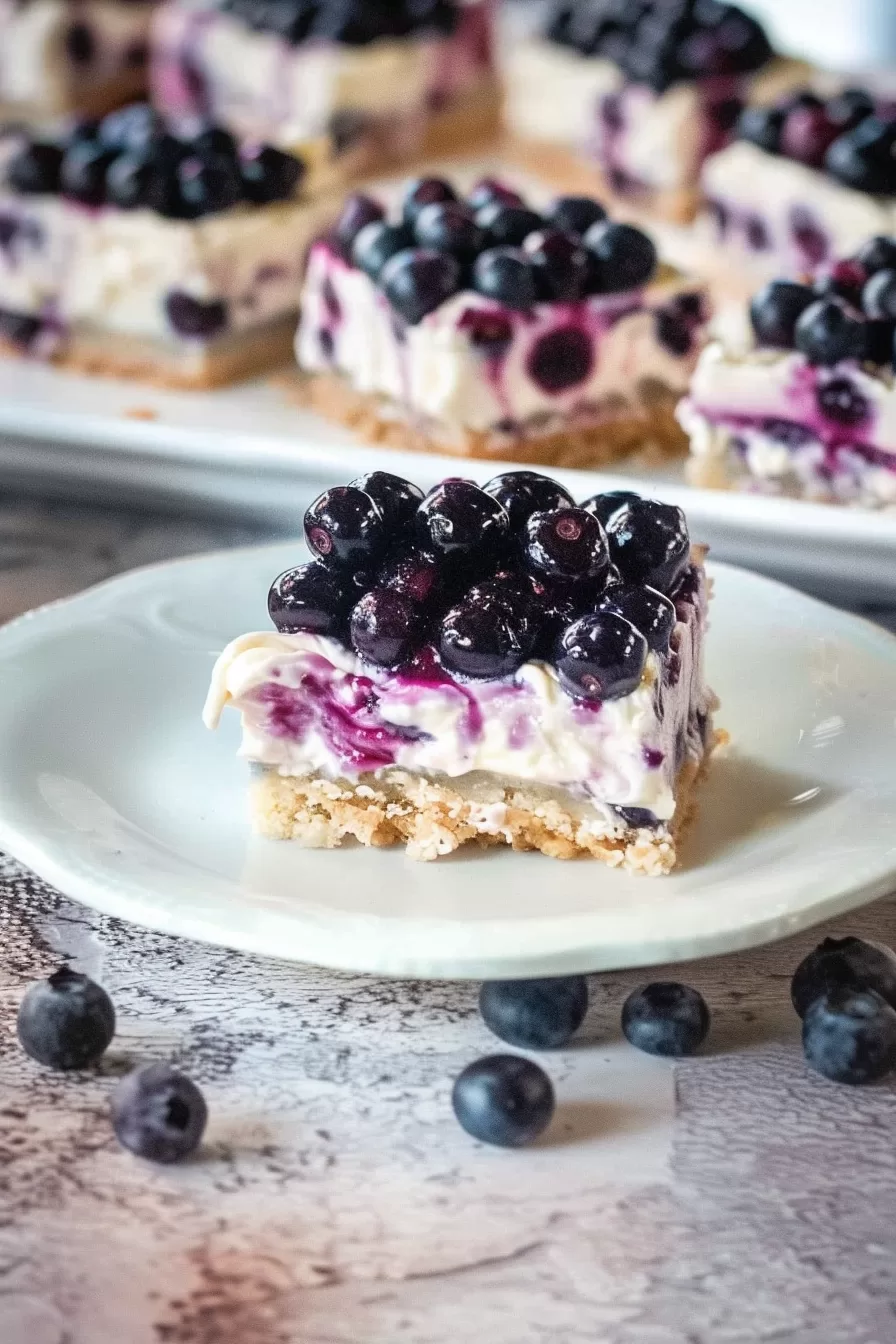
x,y
66,1021
535,1014
666,1018
503,1100
159,1113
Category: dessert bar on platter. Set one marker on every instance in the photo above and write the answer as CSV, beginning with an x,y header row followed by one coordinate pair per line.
x,y
479,327
809,409
129,250
59,57
494,665
634,93
378,81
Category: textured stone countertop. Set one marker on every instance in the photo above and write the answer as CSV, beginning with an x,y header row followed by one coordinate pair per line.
x,y
735,1198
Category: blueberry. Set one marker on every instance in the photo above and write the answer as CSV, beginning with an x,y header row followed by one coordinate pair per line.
x,y
194,319
489,634
208,186
561,359
508,225
844,963
396,498
66,1021
666,1018
504,1100
850,107
562,266
489,191
849,1036
567,543
879,296
459,520
424,191
132,127
159,1113
649,611
575,214
309,597
34,169
345,527
384,627
535,1014
843,280
449,226
600,656
416,575
625,257
270,175
863,158
839,399
829,331
507,275
762,126
83,173
609,502
523,493
419,280
775,311
357,212
213,140
649,542
878,254
137,181
807,134
376,243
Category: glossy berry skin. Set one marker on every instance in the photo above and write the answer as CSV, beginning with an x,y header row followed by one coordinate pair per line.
x,y
625,257
359,211
35,169
66,1021
649,543
600,657
375,243
396,498
270,175
829,331
458,521
878,254
310,597
607,503
649,611
449,226
418,281
535,1014
567,543
562,266
666,1019
416,575
345,527
879,296
849,1036
575,214
523,493
863,157
508,225
131,127
775,311
844,963
384,627
504,1100
762,126
208,186
488,634
489,191
507,275
839,399
83,173
807,134
159,1114
424,191
137,180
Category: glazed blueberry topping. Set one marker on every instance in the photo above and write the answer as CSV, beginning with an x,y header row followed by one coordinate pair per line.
x,y
878,254
35,169
807,134
359,211
762,126
850,107
66,1022
424,191
843,280
523,493
345,527
561,265
509,225
419,280
82,177
849,1036
649,543
625,257
310,597
844,963
505,1100
605,505
488,634
208,186
376,243
879,296
489,191
132,127
865,158
666,1018
461,522
535,1014
649,611
396,498
839,399
600,657
449,226
384,627
567,543
506,274
829,331
775,311
416,575
575,214
159,1114
270,175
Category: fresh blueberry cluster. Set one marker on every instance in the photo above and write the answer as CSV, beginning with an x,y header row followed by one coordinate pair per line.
x,y
847,313
845,992
851,136
352,22
489,578
131,159
659,43
493,243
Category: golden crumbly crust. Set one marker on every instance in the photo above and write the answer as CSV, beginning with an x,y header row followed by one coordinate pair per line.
x,y
655,434
85,101
432,819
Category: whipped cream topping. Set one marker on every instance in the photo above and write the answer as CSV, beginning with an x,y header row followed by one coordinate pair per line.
x,y
438,370
33,66
309,706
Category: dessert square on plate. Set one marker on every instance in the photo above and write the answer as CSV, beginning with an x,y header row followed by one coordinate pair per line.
x,y
494,665
482,328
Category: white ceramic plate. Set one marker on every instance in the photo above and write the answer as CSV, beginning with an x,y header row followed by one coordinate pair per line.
x,y
111,789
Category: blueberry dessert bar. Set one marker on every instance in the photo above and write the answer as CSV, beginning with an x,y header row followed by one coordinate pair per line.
x,y
369,81
125,249
59,57
809,410
807,180
482,328
491,664
639,91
